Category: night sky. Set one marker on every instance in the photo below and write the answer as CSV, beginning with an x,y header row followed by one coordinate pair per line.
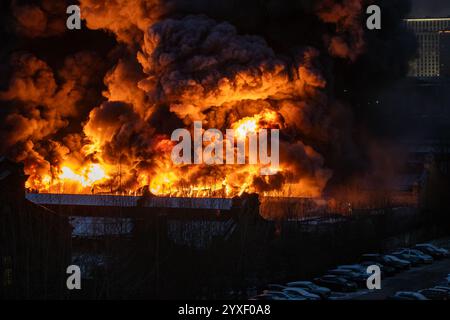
x,y
430,8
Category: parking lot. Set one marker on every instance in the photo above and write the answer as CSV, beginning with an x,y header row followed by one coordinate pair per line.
x,y
411,280
403,283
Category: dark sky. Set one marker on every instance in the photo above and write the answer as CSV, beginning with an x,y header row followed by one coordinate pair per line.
x,y
431,8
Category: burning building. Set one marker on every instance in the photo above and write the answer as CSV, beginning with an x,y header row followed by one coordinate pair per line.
x,y
99,119
90,114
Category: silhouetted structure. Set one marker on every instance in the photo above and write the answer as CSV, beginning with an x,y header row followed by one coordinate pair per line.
x,y
34,242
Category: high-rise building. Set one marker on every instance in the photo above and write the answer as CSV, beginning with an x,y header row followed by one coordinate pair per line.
x,y
429,33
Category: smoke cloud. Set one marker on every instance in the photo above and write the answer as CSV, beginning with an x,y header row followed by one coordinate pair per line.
x,y
175,62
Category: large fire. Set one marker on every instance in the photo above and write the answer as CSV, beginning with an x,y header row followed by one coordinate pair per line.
x,y
102,122
100,177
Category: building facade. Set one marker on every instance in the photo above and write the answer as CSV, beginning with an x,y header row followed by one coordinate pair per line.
x,y
430,32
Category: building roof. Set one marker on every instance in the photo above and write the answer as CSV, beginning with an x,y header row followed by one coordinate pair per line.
x,y
129,201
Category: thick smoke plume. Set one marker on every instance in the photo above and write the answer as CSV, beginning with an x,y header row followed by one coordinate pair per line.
x,y
103,117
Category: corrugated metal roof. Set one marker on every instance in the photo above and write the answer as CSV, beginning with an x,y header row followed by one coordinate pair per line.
x,y
129,201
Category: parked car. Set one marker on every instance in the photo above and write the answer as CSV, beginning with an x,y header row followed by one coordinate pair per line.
x,y
353,267
407,295
413,259
432,250
336,283
385,264
434,294
338,296
279,295
426,257
362,268
396,262
297,292
311,287
445,288
423,258
385,270
357,277
263,297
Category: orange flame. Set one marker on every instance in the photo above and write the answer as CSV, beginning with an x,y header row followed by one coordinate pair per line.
x,y
167,179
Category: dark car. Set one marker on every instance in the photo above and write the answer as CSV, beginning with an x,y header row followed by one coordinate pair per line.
x,y
336,283
445,288
434,294
415,261
358,277
385,265
435,252
385,270
409,254
279,295
338,296
361,267
407,295
311,287
396,262
263,297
